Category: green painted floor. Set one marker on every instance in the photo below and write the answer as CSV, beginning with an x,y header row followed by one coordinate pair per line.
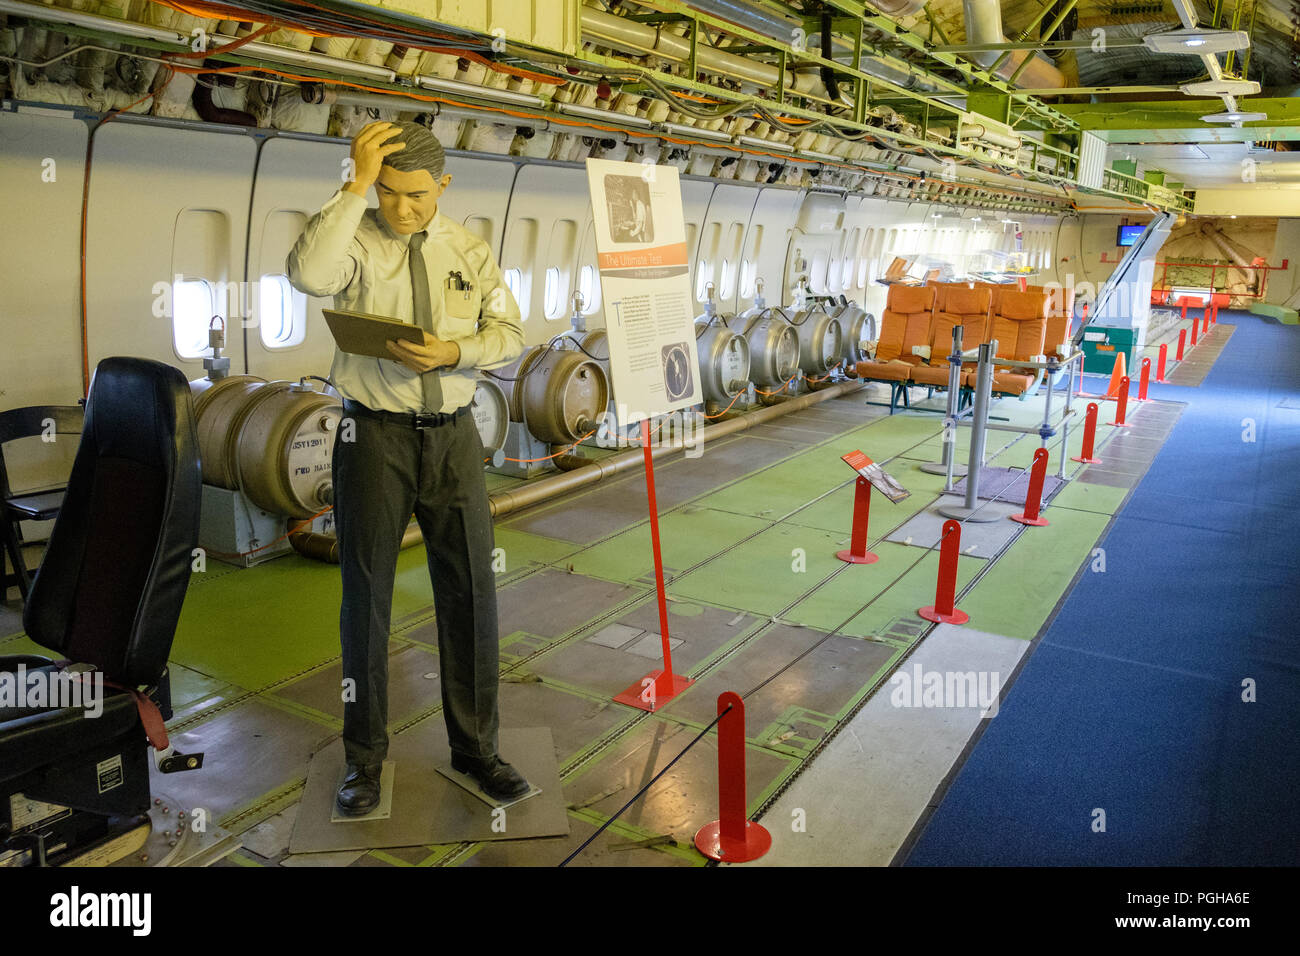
x,y
752,580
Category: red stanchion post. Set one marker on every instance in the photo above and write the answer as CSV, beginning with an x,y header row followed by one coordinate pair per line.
x,y
733,837
1160,362
1205,328
1034,499
1144,380
1089,436
943,610
1195,326
858,553
661,685
1182,341
1121,404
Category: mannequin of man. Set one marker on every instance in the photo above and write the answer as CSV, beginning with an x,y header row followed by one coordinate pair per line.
x,y
407,443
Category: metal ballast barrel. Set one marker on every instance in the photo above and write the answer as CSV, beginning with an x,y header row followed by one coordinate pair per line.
x,y
773,346
859,326
724,359
272,440
821,340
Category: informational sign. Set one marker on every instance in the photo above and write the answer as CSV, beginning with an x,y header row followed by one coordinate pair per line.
x,y
881,480
645,281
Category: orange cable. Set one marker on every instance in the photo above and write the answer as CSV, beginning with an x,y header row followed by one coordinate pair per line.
x,y
562,451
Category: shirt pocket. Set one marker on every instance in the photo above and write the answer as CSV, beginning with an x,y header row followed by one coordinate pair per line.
x,y
460,310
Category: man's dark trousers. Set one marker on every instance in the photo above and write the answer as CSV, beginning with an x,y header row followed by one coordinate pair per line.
x,y
387,472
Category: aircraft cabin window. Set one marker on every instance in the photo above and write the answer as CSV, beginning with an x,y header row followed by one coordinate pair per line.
x,y
281,312
701,280
727,283
554,300
747,278
193,306
515,283
589,287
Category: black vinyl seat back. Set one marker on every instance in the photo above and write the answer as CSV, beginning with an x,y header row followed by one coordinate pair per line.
x,y
110,588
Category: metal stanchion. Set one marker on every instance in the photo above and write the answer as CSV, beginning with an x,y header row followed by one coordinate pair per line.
x,y
979,423
947,466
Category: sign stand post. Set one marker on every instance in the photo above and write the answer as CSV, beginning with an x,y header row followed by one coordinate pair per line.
x,y
661,685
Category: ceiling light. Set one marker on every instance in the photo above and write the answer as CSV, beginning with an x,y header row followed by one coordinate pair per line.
x,y
1221,88
608,116
491,93
1197,41
1236,116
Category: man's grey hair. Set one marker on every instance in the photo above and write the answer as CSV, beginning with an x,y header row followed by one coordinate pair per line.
x,y
423,151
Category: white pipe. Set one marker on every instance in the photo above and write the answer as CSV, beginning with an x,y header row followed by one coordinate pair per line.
x,y
984,25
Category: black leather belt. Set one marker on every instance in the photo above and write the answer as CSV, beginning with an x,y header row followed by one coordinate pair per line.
x,y
409,419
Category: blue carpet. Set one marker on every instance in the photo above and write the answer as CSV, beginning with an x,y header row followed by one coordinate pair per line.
x,y
1131,704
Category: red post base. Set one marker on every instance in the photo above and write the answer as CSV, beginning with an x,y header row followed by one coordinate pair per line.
x,y
957,616
639,695
710,842
850,558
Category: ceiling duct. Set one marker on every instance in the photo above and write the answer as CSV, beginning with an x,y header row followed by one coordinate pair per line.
x,y
984,25
782,30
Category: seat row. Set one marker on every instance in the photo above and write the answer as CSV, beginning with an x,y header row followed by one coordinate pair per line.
x,y
916,334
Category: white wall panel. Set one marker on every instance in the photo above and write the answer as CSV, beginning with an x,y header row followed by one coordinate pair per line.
x,y
142,180
41,174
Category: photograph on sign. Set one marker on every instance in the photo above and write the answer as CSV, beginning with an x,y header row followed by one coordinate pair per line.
x,y
884,482
645,283
880,479
627,203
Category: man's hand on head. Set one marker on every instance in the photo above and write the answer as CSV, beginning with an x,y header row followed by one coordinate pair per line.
x,y
434,353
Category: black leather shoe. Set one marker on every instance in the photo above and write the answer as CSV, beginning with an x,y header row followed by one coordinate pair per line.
x,y
495,777
360,791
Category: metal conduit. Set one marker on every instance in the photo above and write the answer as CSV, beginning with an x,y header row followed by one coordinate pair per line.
x,y
324,547
984,25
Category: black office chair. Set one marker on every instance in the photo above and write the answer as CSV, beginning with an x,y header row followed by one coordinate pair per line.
x,y
108,594
44,505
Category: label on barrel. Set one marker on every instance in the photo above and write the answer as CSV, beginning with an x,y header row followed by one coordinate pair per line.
x,y
879,478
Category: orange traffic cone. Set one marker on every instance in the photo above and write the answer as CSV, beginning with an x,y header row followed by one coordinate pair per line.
x,y
1116,375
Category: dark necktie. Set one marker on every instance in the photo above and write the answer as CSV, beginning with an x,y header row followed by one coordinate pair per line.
x,y
430,380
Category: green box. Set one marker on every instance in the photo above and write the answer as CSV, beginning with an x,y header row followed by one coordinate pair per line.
x,y
1099,353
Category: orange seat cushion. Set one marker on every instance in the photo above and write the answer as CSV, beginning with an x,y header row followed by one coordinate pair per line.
x,y
894,371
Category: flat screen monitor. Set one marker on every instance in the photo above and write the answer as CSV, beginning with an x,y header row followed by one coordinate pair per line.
x,y
1128,235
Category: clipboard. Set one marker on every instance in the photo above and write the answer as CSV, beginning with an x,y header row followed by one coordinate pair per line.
x,y
362,334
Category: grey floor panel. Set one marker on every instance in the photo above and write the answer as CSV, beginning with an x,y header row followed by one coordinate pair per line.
x,y
575,721
597,514
1098,475
863,794
608,849
552,603
608,671
427,807
686,797
823,682
979,539
413,685
249,750
1010,485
